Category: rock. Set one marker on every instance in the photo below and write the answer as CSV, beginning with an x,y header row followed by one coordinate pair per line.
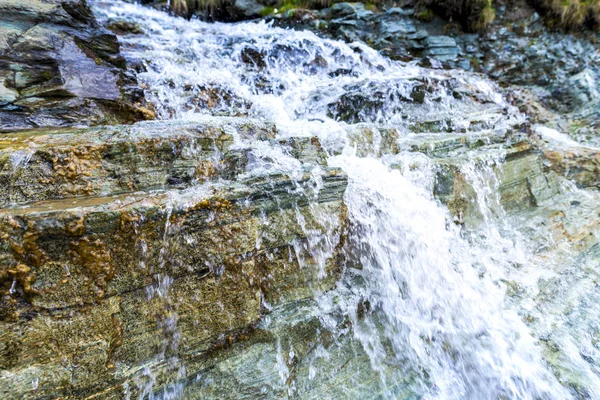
x,y
253,57
356,107
391,29
92,162
419,35
464,64
428,62
370,101
441,47
245,9
318,64
250,369
122,27
90,284
568,158
58,67
400,11
578,90
523,179
350,10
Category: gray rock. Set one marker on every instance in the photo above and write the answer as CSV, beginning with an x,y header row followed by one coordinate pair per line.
x,y
419,35
350,10
440,41
399,11
246,9
464,64
429,62
58,67
443,48
402,27
579,89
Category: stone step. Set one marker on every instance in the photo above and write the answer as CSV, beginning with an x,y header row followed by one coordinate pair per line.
x,y
97,288
517,179
58,164
90,241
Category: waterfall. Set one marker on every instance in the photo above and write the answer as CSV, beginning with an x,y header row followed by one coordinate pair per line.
x,y
424,291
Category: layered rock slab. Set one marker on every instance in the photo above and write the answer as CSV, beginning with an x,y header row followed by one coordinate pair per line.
x,y
61,163
97,290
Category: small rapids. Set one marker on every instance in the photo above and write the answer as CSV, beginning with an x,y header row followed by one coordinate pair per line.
x,y
423,293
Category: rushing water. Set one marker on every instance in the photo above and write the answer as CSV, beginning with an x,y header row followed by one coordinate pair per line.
x,y
425,293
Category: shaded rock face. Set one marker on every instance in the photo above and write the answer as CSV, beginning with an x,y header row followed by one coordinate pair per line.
x,y
58,67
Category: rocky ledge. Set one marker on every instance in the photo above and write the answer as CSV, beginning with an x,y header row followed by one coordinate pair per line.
x,y
153,243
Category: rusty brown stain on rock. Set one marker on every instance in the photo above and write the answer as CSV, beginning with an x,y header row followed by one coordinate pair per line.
x,y
76,227
76,164
26,252
21,274
26,249
206,170
214,204
96,260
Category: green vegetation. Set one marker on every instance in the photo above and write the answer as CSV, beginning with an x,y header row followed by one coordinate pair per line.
x,y
267,11
306,4
426,15
570,14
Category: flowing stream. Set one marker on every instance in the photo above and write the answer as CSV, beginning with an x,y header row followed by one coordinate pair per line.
x,y
422,306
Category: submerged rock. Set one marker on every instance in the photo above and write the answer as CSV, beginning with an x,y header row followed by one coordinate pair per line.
x,y
58,67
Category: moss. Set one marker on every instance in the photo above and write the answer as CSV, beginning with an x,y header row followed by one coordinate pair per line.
x,y
487,16
371,6
426,15
267,11
291,5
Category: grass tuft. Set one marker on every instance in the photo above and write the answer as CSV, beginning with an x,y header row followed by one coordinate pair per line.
x,y
570,14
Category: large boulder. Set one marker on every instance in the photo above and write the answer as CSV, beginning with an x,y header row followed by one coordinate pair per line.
x,y
59,67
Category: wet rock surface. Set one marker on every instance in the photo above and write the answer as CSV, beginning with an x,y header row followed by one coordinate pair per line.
x,y
83,276
51,164
59,67
207,257
559,70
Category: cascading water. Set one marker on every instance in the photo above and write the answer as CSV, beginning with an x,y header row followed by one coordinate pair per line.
x,y
425,297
